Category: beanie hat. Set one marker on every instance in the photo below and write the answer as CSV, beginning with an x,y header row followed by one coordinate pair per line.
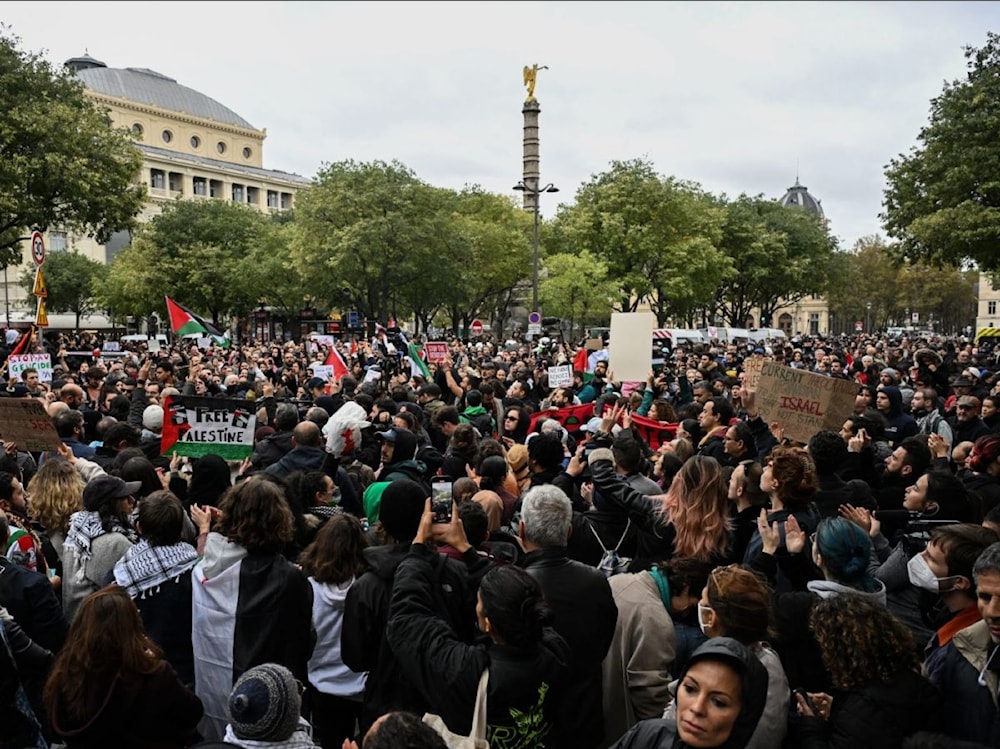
x,y
401,508
152,418
265,704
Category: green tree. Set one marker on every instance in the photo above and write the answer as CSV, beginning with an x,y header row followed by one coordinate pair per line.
x,y
942,199
656,234
779,254
72,281
577,288
62,165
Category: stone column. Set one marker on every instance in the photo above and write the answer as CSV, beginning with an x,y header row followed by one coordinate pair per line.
x,y
531,111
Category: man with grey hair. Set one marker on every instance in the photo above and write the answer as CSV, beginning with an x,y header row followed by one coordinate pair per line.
x,y
966,670
579,596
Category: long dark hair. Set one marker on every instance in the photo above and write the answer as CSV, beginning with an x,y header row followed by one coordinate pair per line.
x,y
336,554
105,638
513,602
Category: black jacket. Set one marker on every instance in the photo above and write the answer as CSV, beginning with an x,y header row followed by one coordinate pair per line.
x,y
364,646
834,492
166,617
270,450
29,598
585,616
877,715
523,677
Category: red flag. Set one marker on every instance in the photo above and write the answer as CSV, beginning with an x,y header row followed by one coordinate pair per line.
x,y
335,360
23,343
580,360
354,347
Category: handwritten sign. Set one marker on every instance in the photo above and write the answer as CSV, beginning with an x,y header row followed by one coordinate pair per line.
x,y
437,351
751,370
25,422
561,376
323,340
802,402
40,362
111,347
199,426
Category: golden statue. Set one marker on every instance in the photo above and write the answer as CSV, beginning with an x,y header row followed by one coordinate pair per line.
x,y
530,74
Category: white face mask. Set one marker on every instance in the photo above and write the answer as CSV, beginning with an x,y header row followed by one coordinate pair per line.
x,y
701,618
922,576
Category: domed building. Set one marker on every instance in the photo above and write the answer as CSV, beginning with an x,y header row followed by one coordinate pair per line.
x,y
799,197
193,147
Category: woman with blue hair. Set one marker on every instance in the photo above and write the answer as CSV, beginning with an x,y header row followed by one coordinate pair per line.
x,y
835,561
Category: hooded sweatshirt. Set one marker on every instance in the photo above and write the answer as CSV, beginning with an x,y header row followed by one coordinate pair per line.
x,y
327,671
899,425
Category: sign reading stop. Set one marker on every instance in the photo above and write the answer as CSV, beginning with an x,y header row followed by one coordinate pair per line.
x,y
477,327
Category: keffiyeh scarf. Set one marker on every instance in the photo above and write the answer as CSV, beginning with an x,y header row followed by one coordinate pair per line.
x,y
84,527
144,568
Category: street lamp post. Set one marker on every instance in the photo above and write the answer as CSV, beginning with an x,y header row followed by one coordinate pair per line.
x,y
534,192
868,321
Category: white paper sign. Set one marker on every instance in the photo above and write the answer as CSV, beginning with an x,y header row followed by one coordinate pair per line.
x,y
324,340
41,362
111,346
154,345
561,376
204,343
630,351
323,371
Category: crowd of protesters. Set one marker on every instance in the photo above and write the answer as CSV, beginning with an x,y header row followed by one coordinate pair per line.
x,y
624,564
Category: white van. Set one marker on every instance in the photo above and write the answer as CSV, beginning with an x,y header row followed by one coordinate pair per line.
x,y
670,337
764,334
735,336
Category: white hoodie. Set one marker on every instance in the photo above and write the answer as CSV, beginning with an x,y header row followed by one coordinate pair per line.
x,y
327,671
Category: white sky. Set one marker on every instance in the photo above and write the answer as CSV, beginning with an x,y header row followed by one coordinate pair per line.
x,y
730,95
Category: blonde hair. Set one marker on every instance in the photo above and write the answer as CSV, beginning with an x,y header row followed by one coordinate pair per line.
x,y
700,509
56,492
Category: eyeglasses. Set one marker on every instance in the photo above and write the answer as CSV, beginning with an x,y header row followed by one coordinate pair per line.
x,y
510,418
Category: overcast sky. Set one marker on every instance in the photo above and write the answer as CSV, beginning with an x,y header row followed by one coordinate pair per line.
x,y
734,96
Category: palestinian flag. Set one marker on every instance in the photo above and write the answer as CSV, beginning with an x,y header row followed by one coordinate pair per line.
x,y
416,356
185,322
24,342
335,360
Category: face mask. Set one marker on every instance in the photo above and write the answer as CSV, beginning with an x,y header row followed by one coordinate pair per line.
x,y
701,618
922,576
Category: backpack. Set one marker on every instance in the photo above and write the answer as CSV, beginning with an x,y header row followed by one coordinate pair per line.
x,y
611,562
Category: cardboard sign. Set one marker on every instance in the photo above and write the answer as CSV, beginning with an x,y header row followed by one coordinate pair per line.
x,y
41,362
199,426
437,351
803,402
594,344
323,371
561,376
751,370
25,422
323,340
629,346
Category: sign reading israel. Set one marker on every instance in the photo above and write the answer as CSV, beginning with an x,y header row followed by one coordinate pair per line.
x,y
197,426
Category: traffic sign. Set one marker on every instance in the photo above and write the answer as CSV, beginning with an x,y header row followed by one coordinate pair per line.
x,y
40,289
37,247
353,319
477,327
858,326
41,316
534,318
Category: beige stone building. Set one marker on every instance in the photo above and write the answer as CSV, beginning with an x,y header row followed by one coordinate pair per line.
x,y
193,148
988,304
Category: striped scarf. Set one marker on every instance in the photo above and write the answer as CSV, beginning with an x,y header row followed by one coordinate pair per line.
x,y
144,568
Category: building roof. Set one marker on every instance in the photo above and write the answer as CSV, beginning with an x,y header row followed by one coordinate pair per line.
x,y
217,164
149,87
798,197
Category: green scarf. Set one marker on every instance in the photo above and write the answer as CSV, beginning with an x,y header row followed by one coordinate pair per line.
x,y
662,584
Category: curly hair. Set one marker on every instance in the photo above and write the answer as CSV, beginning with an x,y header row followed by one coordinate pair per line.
x,y
256,515
860,641
697,506
56,492
796,475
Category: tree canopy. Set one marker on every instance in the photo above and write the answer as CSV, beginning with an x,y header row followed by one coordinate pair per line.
x,y
942,200
62,165
72,281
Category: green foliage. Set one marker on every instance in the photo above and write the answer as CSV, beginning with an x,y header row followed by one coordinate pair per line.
x,y
942,201
71,280
657,235
779,255
61,164
577,288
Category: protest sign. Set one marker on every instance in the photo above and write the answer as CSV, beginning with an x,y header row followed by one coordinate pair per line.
x,y
204,342
560,377
196,426
803,403
111,347
323,340
437,351
323,371
41,362
630,348
751,371
25,422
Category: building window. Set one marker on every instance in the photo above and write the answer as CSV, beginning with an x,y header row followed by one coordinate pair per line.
x,y
167,136
247,153
220,147
137,128
157,179
815,296
195,141
253,195
272,198
58,241
215,188
286,201
814,323
199,186
175,180
237,193
991,308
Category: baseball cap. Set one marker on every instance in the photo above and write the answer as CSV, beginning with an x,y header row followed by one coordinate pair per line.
x,y
108,487
315,382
